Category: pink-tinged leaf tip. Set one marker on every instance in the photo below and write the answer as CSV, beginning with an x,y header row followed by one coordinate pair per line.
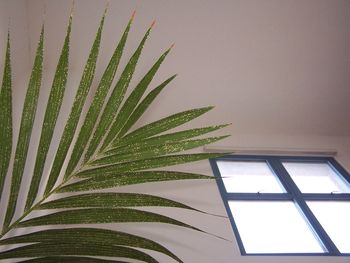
x,y
153,23
133,15
172,45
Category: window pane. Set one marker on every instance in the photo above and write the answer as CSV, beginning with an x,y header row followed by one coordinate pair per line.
x,y
316,178
249,177
273,227
335,218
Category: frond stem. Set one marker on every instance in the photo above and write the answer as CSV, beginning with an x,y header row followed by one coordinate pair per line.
x,y
34,207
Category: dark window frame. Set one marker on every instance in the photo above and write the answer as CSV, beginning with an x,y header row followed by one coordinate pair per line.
x,y
293,194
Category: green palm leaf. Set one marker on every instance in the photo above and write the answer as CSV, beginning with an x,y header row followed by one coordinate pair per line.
x,y
70,260
5,118
130,178
99,216
145,164
116,98
28,115
145,151
160,126
111,200
89,235
52,110
90,249
143,106
132,101
106,154
79,101
95,107
164,139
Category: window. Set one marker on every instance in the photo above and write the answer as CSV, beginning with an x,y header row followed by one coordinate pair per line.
x,y
286,205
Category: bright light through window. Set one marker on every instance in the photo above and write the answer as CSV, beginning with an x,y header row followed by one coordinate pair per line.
x,y
249,177
286,205
316,178
273,227
335,218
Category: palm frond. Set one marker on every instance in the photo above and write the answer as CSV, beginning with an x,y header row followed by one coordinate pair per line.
x,y
111,200
96,105
128,178
79,101
161,125
89,235
144,164
52,110
143,106
26,127
164,139
145,151
89,249
132,101
5,118
116,98
67,259
106,154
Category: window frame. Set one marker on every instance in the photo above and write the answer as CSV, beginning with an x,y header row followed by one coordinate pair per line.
x,y
292,194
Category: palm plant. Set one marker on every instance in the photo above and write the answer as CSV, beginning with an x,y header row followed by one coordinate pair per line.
x,y
105,153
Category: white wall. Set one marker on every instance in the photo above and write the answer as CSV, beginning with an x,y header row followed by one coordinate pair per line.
x,y
264,64
13,17
279,70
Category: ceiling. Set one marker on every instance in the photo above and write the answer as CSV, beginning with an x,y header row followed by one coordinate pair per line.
x,y
270,67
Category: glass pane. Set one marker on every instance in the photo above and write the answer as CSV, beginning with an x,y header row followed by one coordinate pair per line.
x,y
316,178
273,227
335,218
249,177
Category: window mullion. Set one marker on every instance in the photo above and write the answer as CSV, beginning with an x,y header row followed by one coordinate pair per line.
x,y
326,197
225,199
259,196
292,188
339,169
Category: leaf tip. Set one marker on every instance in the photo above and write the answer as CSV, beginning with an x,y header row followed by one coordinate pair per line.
x,y
133,15
8,33
209,108
8,25
153,23
44,13
106,8
42,30
227,124
224,136
71,11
